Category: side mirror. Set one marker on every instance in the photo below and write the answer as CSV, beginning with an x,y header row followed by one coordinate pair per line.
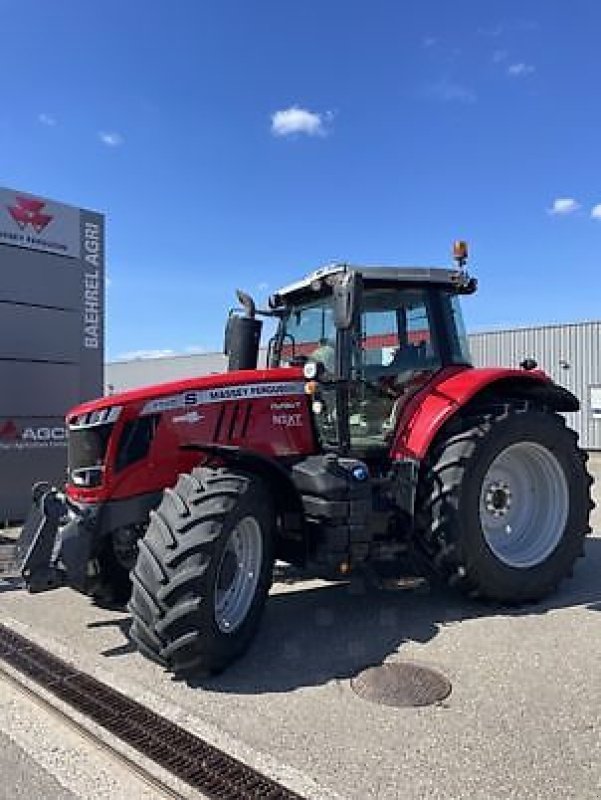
x,y
347,300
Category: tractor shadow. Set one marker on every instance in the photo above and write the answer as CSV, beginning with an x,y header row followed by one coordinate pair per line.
x,y
311,636
123,625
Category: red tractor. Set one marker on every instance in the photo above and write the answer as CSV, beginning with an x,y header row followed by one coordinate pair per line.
x,y
369,443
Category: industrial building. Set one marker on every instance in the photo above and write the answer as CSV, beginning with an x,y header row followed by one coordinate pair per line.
x,y
51,336
570,353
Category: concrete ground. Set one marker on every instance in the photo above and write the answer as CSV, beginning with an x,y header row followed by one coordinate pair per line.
x,y
23,778
522,721
41,757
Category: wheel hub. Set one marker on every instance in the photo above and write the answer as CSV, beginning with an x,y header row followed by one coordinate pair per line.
x,y
125,545
497,498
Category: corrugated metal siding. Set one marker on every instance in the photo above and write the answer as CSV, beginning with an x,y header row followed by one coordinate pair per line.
x,y
122,375
570,354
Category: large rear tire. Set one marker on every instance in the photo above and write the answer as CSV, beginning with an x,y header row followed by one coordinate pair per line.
x,y
505,502
203,571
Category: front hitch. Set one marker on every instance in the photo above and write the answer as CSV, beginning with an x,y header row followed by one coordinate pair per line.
x,y
35,551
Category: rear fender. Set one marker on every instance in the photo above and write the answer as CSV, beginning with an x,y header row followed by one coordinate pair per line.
x,y
455,389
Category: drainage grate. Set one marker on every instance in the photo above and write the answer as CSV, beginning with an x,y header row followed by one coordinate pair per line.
x,y
401,684
185,755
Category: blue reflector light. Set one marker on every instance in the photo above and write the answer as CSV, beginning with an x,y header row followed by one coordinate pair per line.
x,y
360,472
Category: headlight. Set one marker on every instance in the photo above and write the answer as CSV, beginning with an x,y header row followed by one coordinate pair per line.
x,y
310,370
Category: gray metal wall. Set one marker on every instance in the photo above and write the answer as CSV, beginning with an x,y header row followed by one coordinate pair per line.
x,y
51,336
571,354
122,375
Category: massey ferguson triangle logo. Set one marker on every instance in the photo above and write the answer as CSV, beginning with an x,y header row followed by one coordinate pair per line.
x,y
9,431
29,212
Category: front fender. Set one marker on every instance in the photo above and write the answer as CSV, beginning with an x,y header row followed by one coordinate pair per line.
x,y
455,387
284,492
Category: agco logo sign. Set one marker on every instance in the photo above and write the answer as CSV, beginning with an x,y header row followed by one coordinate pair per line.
x,y
13,437
28,212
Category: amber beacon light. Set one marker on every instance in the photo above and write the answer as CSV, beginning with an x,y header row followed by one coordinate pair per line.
x,y
460,252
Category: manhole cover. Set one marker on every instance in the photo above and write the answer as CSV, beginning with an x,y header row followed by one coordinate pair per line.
x,y
401,684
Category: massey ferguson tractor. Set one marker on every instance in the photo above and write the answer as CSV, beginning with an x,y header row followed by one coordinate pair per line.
x,y
367,444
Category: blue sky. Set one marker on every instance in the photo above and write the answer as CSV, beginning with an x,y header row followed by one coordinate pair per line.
x,y
401,126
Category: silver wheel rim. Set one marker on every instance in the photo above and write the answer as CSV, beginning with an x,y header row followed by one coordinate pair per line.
x,y
238,574
524,504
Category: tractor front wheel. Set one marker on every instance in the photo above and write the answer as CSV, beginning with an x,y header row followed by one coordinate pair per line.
x,y
505,504
203,571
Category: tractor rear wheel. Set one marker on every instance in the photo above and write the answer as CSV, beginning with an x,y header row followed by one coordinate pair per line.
x,y
505,503
203,571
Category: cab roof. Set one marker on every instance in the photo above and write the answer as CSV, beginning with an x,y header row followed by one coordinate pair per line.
x,y
457,280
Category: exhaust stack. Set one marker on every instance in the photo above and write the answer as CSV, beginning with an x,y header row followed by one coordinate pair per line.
x,y
243,335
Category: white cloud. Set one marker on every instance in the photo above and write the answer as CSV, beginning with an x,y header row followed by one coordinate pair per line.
x,y
563,206
520,70
294,120
263,286
195,349
46,119
110,138
134,355
498,56
596,211
429,41
452,92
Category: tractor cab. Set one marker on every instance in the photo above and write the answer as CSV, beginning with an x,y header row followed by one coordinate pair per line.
x,y
368,338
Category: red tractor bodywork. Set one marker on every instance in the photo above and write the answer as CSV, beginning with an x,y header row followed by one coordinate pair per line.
x,y
453,388
265,411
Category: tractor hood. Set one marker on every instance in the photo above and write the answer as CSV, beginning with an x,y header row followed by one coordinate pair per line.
x,y
237,380
136,443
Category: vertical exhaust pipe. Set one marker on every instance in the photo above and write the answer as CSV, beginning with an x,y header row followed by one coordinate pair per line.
x,y
243,336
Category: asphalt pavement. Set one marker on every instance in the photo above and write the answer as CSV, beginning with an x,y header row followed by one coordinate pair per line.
x,y
522,720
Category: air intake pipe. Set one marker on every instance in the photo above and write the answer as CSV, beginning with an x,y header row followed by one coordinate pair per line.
x,y
243,336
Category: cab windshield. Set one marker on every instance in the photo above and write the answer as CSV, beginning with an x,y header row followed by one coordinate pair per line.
x,y
308,333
